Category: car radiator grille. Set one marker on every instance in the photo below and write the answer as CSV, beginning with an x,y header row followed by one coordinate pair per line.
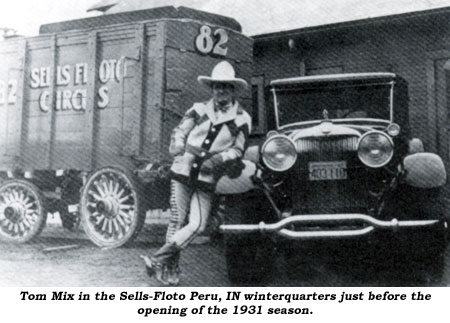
x,y
329,196
327,148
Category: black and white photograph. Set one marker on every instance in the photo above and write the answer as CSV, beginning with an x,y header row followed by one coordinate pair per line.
x,y
210,143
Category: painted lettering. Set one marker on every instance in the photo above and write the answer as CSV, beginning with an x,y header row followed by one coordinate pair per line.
x,y
66,96
44,76
79,100
81,73
34,78
12,88
67,75
117,71
109,70
104,71
63,75
58,101
44,101
103,97
113,64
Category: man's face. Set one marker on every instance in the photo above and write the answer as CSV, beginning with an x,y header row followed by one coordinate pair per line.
x,y
223,93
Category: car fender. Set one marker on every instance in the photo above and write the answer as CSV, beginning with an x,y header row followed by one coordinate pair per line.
x,y
424,170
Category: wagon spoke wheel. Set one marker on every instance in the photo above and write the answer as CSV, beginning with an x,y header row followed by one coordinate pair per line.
x,y
110,210
22,211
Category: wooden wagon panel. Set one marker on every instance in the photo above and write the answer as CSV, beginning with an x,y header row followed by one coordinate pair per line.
x,y
105,97
11,68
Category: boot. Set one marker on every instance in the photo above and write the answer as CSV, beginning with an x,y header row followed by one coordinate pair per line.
x,y
156,269
173,271
158,264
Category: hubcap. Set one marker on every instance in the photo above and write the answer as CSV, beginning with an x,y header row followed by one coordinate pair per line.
x,y
15,213
109,206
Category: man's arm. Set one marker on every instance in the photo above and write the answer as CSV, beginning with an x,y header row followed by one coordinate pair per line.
x,y
181,132
236,151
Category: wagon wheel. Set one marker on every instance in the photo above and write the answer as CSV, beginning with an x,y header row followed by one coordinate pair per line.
x,y
22,211
111,210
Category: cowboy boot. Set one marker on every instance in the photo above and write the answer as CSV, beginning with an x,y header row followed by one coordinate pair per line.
x,y
173,271
158,263
156,269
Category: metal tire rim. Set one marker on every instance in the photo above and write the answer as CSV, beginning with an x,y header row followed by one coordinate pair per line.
x,y
110,208
22,214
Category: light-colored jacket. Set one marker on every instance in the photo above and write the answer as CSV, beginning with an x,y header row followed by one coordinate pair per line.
x,y
203,133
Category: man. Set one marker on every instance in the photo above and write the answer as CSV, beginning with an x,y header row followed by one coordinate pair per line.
x,y
208,143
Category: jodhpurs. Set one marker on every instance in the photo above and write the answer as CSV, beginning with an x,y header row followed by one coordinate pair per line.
x,y
189,212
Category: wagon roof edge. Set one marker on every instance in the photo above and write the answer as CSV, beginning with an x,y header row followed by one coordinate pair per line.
x,y
140,16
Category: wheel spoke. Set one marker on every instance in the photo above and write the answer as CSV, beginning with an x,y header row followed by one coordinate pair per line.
x,y
22,230
105,223
120,222
110,229
116,189
105,186
92,205
111,186
126,207
14,195
125,215
99,189
26,200
30,212
120,193
115,226
125,198
26,223
95,196
99,219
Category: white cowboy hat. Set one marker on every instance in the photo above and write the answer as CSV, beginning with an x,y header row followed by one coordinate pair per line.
x,y
223,73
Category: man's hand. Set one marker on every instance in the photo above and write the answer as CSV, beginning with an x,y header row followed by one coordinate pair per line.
x,y
212,165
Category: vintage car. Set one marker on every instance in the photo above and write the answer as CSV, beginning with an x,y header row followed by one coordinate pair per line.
x,y
338,163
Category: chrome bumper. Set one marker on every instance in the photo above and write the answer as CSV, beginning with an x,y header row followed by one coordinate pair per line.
x,y
370,223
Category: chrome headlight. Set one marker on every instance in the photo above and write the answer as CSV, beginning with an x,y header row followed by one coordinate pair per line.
x,y
375,149
279,153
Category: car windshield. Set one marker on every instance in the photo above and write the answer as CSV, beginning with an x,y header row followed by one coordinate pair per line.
x,y
296,104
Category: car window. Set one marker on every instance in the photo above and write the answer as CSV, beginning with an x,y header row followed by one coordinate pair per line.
x,y
308,104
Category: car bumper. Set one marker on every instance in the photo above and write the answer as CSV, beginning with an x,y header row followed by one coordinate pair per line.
x,y
363,225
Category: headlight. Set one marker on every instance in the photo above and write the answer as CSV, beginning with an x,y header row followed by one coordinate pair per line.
x,y
375,149
279,153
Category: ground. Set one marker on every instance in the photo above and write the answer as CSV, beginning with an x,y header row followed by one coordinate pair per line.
x,y
43,263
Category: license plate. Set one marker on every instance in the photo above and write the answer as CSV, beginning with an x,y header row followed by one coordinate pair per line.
x,y
326,171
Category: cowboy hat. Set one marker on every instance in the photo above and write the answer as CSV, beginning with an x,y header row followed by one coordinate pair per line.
x,y
223,73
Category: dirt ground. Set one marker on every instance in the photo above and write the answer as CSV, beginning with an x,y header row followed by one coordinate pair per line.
x,y
38,264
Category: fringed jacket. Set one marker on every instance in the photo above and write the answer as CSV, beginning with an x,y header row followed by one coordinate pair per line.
x,y
204,134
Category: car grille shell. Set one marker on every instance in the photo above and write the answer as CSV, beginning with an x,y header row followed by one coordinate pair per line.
x,y
329,196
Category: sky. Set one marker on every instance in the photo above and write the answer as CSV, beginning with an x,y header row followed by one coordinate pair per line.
x,y
256,16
